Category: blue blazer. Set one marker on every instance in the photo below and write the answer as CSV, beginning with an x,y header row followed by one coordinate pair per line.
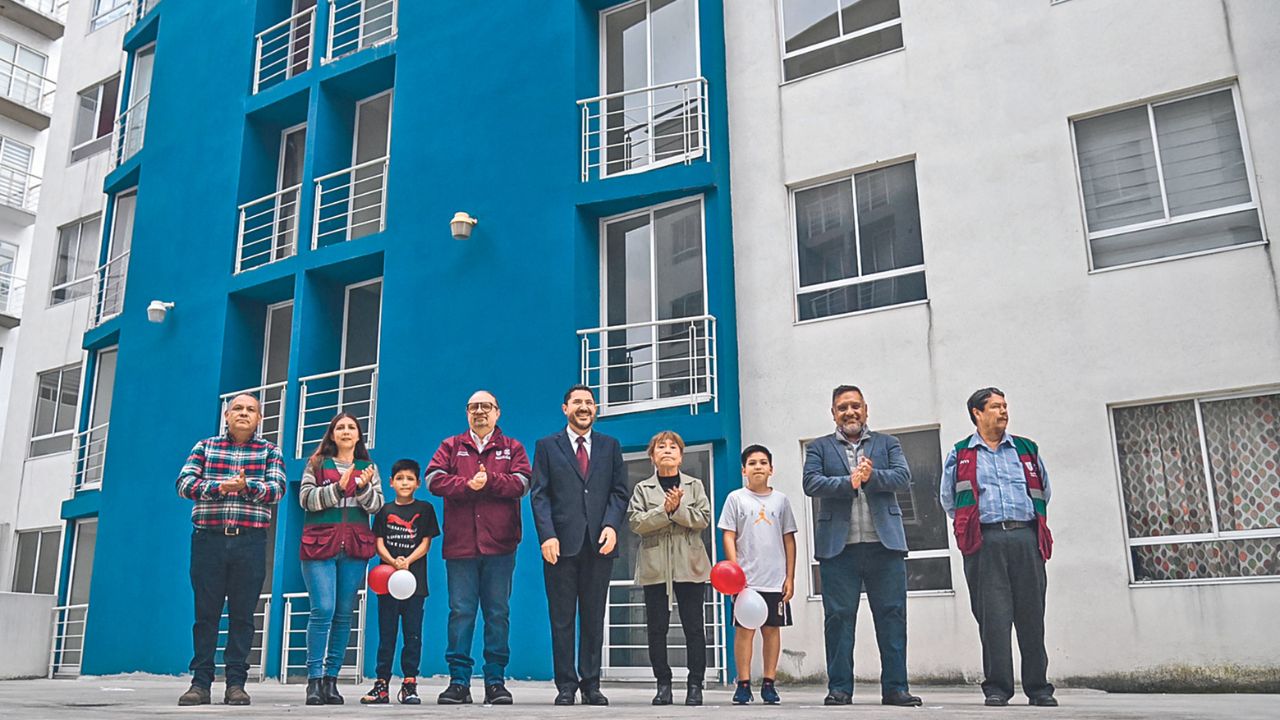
x,y
573,508
826,477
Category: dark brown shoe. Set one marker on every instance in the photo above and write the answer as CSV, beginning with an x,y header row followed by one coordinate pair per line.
x,y
235,695
195,695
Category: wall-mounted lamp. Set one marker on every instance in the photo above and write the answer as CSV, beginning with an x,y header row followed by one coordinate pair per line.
x,y
157,310
461,225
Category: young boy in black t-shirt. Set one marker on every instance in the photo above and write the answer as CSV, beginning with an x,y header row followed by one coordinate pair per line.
x,y
404,529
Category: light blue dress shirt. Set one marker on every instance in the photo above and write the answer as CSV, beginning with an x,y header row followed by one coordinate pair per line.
x,y
1002,485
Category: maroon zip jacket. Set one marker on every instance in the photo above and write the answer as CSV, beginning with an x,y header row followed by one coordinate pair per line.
x,y
484,522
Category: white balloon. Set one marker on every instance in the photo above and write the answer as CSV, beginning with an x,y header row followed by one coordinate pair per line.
x,y
749,609
402,584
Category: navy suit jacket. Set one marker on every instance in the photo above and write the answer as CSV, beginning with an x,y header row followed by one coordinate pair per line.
x,y
570,507
826,477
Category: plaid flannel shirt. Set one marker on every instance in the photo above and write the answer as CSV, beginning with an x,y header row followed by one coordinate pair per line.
x,y
222,458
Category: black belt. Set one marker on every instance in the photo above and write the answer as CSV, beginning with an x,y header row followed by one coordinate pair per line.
x,y
228,530
1006,525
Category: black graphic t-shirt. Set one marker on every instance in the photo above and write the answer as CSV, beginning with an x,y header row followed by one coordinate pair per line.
x,y
402,528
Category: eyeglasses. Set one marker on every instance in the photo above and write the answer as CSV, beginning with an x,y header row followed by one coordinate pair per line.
x,y
481,408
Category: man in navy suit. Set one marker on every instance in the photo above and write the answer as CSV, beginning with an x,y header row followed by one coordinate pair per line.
x,y
859,541
579,497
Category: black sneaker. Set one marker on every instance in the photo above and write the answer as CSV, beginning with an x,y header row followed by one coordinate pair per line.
x,y
378,695
455,694
497,694
409,692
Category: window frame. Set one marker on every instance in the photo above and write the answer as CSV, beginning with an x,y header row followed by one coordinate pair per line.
x,y
1217,534
97,256
32,438
99,18
1169,220
35,570
87,145
812,596
798,289
784,56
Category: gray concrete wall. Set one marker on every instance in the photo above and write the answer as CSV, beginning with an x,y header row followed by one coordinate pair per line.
x,y
26,624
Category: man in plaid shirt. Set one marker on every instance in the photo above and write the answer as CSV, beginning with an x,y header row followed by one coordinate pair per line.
x,y
234,480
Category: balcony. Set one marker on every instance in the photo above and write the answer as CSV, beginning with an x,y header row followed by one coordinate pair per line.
x,y
350,203
637,130
271,398
651,365
25,96
357,24
140,9
268,229
284,50
91,451
20,192
47,17
131,127
67,651
354,390
109,290
13,291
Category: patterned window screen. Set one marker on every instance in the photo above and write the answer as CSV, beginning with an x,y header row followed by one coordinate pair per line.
x,y
1201,486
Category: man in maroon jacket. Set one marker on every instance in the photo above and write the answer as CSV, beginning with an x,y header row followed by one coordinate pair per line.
x,y
481,474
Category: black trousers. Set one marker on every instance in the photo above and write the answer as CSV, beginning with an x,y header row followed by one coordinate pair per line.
x,y
404,615
577,593
1007,584
225,569
657,618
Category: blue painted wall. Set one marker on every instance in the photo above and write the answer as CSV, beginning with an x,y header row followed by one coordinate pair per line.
x,y
485,121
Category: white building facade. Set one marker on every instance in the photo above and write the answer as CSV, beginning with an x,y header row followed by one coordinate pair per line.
x,y
1064,199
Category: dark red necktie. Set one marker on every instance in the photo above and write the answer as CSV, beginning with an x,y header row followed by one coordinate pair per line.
x,y
582,455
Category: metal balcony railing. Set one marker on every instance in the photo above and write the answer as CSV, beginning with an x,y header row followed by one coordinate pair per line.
x,y
131,128
284,50
268,229
24,87
140,10
91,452
66,654
109,284
354,390
271,398
261,638
350,203
293,655
56,9
13,291
644,366
357,24
626,630
19,189
637,130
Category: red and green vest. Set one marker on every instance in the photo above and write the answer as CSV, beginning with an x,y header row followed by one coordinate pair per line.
x,y
968,530
341,529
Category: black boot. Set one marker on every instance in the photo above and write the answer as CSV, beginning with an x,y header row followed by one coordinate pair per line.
x,y
693,694
329,688
664,694
314,696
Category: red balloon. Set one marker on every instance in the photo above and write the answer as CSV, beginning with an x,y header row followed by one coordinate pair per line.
x,y
728,578
378,577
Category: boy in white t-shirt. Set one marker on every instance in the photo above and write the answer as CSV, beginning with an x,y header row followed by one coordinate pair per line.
x,y
759,534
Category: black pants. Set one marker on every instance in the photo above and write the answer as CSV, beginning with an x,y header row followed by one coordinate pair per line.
x,y
230,569
1007,584
577,592
405,615
657,618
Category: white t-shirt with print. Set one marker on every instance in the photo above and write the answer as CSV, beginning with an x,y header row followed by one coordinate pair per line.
x,y
760,522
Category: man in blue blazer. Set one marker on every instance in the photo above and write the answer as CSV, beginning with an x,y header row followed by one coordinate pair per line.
x,y
579,497
859,541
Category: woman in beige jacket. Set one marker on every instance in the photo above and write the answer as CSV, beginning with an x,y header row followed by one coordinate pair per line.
x,y
669,511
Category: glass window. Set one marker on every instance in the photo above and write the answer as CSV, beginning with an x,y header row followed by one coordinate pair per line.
x,y
106,12
57,397
95,119
822,34
1166,179
76,260
36,564
1199,479
858,243
22,74
86,542
925,522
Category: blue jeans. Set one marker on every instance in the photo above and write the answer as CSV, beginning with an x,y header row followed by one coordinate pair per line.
x,y
483,582
332,585
884,573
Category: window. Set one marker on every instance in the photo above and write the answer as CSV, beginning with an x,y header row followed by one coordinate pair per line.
x,y
95,119
57,396
1166,179
76,260
925,522
822,34
858,243
106,12
16,180
36,565
22,74
1200,480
